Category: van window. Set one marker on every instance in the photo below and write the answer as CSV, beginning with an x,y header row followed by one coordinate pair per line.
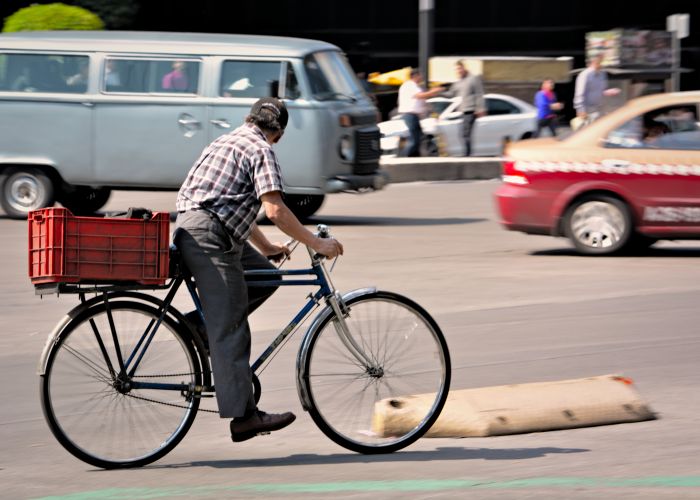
x,y
257,79
331,76
154,76
44,73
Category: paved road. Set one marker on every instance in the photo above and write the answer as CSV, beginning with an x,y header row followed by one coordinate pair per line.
x,y
514,309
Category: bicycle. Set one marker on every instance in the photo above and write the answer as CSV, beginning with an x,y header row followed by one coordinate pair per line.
x,y
122,375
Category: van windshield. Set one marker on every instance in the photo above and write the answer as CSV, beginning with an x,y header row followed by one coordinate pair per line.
x,y
331,77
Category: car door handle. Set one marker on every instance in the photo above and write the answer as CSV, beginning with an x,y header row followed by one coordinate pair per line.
x,y
615,163
221,123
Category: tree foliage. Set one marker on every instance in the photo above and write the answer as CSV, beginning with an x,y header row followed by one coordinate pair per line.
x,y
55,16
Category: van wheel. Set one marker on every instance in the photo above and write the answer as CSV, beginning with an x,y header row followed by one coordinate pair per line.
x,y
304,205
24,190
84,200
598,225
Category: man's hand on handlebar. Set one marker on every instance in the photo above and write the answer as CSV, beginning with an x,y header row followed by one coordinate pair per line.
x,y
276,251
328,247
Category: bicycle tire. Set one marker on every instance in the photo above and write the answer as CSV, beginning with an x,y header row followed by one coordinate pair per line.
x,y
403,341
93,420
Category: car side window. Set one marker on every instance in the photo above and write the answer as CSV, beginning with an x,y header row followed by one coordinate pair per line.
x,y
254,79
154,76
44,73
500,107
671,127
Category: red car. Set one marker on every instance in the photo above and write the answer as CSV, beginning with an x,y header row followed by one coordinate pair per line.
x,y
627,180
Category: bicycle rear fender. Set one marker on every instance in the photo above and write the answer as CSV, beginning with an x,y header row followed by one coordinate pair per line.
x,y
149,299
53,337
302,373
55,333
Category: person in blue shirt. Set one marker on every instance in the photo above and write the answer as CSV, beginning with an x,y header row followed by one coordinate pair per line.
x,y
547,106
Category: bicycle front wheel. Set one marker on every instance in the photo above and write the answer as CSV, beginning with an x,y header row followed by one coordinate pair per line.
x,y
98,412
405,355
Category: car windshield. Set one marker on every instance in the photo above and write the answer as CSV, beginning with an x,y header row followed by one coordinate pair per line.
x,y
331,77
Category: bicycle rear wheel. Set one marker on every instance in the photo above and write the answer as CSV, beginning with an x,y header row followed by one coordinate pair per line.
x,y
409,356
96,414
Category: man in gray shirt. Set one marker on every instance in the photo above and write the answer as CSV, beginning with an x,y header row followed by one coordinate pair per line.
x,y
471,90
591,87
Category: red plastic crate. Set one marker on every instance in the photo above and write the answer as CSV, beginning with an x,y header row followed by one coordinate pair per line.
x,y
64,248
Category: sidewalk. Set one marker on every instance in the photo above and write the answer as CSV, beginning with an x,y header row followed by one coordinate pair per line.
x,y
440,168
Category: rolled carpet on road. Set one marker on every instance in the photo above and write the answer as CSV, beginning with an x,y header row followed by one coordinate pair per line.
x,y
520,408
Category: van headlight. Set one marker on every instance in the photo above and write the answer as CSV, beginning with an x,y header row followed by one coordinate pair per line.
x,y
346,148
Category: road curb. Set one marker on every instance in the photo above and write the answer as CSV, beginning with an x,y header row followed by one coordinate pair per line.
x,y
515,409
440,169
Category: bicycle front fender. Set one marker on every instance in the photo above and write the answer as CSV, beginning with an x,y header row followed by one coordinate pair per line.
x,y
302,369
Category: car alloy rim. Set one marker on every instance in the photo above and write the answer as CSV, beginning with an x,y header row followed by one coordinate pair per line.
x,y
597,224
23,192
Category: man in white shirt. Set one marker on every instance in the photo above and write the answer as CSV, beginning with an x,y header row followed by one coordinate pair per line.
x,y
412,107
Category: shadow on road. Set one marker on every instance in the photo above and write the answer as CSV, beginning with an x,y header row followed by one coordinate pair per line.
x,y
649,252
349,220
403,456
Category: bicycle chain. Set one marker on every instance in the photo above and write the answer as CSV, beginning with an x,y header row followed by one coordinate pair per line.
x,y
168,404
163,402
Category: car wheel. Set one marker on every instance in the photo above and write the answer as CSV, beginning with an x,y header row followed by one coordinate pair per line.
x,y
24,190
598,225
304,205
85,200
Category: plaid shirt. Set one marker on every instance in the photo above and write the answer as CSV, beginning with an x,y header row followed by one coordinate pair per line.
x,y
229,178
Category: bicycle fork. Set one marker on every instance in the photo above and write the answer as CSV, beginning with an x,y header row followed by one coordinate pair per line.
x,y
342,312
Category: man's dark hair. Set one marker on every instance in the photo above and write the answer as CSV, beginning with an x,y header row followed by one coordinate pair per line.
x,y
270,114
415,71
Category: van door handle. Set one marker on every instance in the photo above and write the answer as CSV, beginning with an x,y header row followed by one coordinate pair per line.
x,y
189,124
615,163
186,122
88,104
221,123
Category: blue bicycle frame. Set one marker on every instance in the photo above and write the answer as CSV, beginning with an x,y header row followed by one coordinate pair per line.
x,y
320,279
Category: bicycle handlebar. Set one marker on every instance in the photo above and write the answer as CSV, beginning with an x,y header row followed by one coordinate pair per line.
x,y
322,231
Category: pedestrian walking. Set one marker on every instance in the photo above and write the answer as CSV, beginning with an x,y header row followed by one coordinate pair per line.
x,y
471,90
547,106
591,88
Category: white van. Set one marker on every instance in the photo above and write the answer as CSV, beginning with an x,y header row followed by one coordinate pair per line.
x,y
82,113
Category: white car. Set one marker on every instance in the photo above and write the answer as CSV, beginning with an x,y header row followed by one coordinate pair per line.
x,y
507,119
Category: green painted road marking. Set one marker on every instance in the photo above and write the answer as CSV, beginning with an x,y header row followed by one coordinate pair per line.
x,y
382,486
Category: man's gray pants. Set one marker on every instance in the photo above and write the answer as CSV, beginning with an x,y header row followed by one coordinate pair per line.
x,y
467,130
217,262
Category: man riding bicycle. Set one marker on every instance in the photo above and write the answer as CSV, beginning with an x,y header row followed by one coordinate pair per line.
x,y
217,206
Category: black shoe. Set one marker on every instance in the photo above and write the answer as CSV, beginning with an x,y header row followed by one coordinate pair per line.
x,y
259,423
